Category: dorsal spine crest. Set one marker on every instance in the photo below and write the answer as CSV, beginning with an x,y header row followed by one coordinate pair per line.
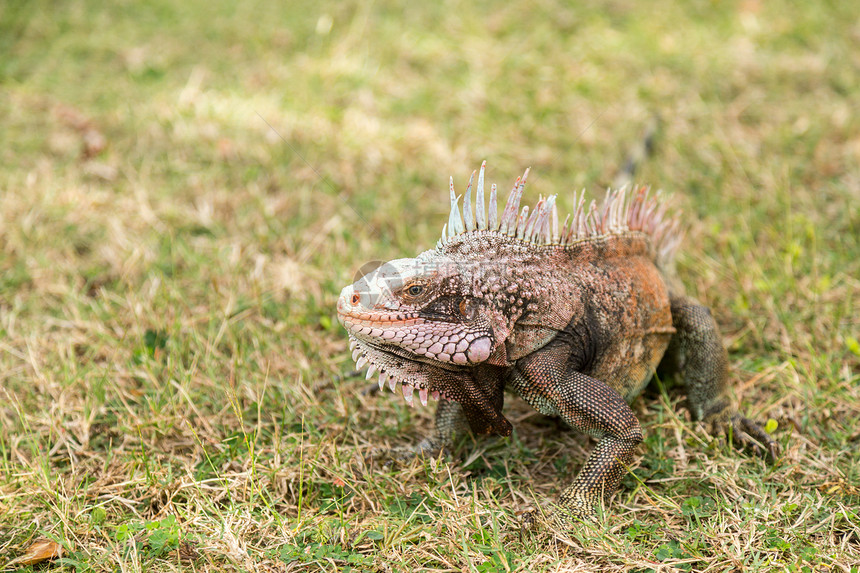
x,y
622,210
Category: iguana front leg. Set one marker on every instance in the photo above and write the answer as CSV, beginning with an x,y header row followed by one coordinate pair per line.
x,y
549,384
697,352
474,401
450,420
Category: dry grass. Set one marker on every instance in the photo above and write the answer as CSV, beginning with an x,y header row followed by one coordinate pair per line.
x,y
185,189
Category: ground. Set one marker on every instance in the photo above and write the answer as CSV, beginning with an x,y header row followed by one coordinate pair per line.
x,y
186,187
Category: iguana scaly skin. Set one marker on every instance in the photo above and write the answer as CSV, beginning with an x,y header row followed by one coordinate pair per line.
x,y
575,319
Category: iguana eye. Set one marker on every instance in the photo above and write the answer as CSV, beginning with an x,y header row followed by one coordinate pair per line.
x,y
466,309
415,290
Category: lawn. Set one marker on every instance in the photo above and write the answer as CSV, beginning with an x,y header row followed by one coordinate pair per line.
x,y
185,187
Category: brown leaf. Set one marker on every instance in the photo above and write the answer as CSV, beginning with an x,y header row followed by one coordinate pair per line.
x,y
40,550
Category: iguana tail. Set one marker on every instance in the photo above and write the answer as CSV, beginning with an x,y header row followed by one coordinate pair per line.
x,y
640,152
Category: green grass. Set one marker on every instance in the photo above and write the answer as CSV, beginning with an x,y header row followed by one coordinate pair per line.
x,y
186,187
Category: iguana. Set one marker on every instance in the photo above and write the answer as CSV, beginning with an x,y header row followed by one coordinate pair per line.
x,y
573,318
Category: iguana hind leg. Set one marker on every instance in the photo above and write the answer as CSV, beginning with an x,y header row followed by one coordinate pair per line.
x,y
697,352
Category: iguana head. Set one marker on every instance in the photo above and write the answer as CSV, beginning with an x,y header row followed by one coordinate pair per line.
x,y
421,322
424,308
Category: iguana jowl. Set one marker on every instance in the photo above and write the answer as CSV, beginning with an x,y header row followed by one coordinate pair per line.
x,y
573,319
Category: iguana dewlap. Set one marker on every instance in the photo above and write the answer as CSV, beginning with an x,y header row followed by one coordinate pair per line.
x,y
574,318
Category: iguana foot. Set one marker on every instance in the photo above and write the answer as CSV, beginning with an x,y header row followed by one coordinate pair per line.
x,y
743,433
530,520
534,522
559,518
748,435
